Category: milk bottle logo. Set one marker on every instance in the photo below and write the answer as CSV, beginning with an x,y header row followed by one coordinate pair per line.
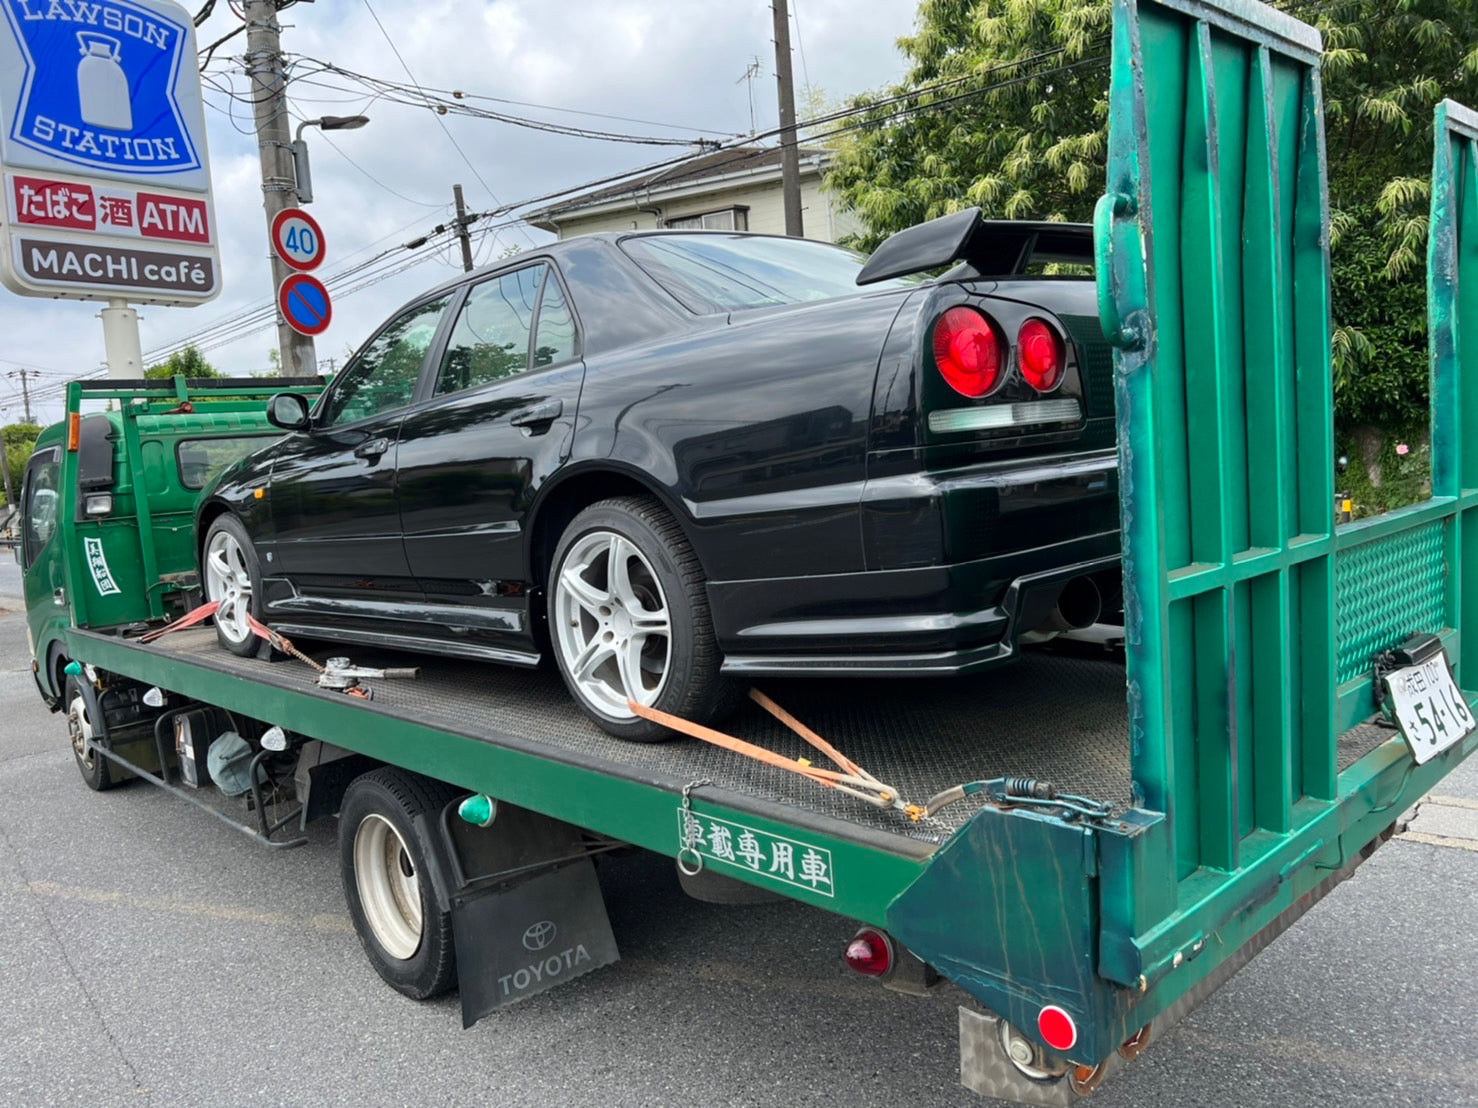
x,y
97,84
102,86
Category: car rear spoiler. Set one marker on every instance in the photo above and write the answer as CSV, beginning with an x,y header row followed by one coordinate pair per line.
x,y
988,247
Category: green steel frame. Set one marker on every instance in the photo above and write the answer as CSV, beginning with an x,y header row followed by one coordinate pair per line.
x,y
141,399
1251,620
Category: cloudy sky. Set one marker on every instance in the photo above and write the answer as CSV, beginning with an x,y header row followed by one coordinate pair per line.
x,y
677,63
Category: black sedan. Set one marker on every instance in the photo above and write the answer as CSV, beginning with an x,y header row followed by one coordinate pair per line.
x,y
676,460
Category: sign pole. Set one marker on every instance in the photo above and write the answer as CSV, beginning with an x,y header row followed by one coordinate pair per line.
x,y
121,346
274,141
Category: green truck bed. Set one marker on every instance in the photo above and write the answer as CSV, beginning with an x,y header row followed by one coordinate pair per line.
x,y
1237,756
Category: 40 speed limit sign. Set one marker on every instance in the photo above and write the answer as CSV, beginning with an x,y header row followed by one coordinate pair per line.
x,y
298,239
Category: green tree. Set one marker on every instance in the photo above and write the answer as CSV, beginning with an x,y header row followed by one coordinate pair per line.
x,y
189,362
18,440
1004,106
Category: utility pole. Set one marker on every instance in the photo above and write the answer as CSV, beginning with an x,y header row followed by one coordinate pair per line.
x,y
790,162
24,376
274,142
463,222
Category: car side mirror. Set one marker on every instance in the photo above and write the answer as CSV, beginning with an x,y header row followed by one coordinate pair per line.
x,y
289,411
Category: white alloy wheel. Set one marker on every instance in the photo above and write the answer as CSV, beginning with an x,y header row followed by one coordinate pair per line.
x,y
389,889
228,583
611,623
79,729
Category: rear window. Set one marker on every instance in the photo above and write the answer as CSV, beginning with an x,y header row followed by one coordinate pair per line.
x,y
709,272
199,460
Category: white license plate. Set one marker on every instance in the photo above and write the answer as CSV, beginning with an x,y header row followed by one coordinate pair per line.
x,y
1429,709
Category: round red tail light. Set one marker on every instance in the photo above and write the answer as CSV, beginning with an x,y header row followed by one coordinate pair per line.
x,y
869,953
967,352
1040,354
1057,1028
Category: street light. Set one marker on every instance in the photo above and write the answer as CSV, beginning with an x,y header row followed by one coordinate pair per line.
x,y
303,178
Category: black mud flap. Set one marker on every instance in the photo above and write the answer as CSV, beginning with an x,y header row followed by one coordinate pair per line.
x,y
527,910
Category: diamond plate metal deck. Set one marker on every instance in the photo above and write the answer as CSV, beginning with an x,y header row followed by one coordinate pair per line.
x,y
1062,719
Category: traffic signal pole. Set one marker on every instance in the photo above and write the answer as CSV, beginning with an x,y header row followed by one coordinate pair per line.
x,y
274,142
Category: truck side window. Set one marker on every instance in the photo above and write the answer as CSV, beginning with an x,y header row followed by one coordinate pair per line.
x,y
39,502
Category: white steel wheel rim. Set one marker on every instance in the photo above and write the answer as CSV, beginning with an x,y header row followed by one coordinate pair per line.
x,y
389,890
79,728
228,583
611,623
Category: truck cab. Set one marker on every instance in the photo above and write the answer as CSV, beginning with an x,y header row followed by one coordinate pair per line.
x,y
108,499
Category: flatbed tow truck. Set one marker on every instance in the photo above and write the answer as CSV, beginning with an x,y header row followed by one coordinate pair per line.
x,y
1087,865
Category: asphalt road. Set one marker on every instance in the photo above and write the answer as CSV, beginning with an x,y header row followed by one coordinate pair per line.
x,y
150,956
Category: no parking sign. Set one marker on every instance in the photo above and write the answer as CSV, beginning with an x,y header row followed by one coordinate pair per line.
x,y
305,304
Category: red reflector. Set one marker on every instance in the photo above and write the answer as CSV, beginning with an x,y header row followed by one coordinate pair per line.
x,y
869,953
1057,1028
1040,355
967,352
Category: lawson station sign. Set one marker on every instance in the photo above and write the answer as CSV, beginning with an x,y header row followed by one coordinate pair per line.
x,y
106,179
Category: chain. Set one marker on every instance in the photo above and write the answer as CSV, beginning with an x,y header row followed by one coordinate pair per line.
x,y
688,849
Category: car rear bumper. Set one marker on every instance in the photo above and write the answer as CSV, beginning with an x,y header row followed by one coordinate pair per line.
x,y
932,620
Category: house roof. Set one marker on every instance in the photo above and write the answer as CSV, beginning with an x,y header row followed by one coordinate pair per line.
x,y
688,176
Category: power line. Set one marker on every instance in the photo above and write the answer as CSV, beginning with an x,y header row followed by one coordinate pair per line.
x,y
439,121
375,269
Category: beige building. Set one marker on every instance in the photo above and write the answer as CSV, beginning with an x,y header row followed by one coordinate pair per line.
x,y
733,190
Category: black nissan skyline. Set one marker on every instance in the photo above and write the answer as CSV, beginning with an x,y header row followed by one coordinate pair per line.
x,y
674,461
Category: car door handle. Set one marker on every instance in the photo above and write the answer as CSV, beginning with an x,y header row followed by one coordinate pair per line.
x,y
539,417
372,449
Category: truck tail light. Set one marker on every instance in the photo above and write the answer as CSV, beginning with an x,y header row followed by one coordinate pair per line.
x,y
1057,1028
967,352
870,953
1039,352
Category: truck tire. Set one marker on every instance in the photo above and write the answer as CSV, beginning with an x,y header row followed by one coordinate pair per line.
x,y
384,862
233,578
95,769
628,617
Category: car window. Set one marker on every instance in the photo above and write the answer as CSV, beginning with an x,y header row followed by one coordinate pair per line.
x,y
383,375
198,460
491,338
40,501
556,339
709,272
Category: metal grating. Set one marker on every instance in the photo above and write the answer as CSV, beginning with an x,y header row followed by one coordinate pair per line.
x,y
1385,590
1359,741
1062,719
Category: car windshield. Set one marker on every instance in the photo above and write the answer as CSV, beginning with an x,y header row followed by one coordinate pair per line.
x,y
711,272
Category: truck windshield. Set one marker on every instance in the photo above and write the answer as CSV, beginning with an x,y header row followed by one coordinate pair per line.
x,y
201,459
723,273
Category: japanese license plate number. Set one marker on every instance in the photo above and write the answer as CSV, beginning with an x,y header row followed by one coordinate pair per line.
x,y
1429,708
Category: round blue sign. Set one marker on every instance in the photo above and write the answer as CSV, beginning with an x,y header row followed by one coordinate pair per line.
x,y
304,303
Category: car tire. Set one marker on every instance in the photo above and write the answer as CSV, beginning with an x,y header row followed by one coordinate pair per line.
x,y
647,634
232,576
95,769
384,862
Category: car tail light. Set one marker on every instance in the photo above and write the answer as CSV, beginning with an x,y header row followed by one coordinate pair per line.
x,y
967,352
1057,1028
870,953
1040,355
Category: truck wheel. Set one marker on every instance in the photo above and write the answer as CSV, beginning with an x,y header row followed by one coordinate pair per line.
x,y
93,766
628,617
383,860
233,579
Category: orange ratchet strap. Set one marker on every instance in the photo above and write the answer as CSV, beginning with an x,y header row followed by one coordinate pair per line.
x,y
852,779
